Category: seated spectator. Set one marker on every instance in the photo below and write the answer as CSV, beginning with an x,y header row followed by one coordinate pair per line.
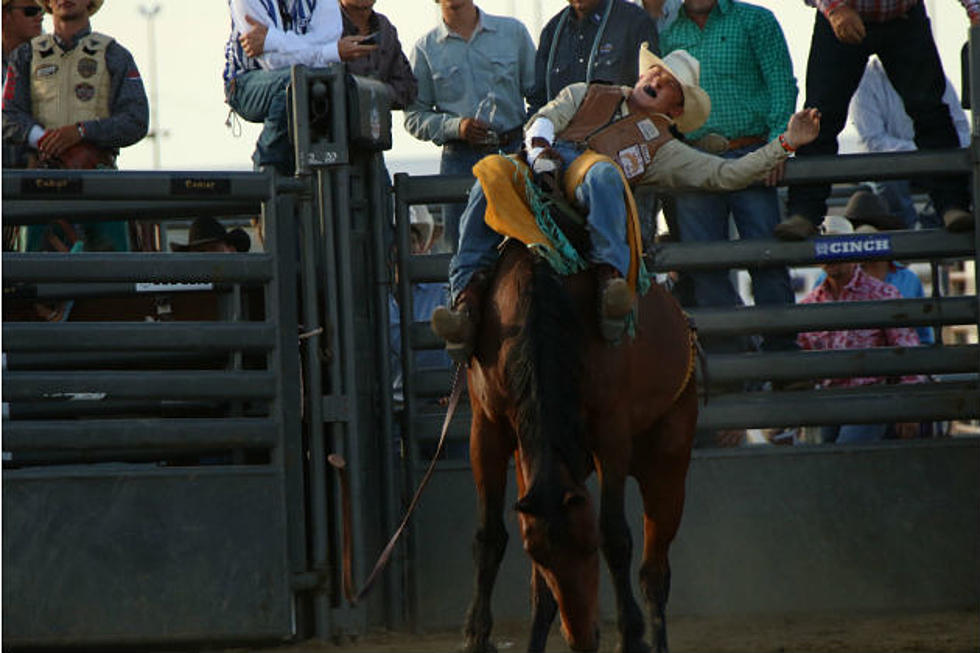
x,y
208,235
388,63
847,282
878,113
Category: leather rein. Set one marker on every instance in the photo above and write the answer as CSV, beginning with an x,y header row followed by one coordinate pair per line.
x,y
338,462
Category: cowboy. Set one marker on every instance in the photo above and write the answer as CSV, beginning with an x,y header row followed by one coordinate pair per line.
x,y
208,235
74,97
637,127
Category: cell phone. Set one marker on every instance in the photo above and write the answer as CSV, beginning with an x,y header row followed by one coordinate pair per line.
x,y
370,39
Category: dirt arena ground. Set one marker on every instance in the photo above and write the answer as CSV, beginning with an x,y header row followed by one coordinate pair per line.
x,y
947,632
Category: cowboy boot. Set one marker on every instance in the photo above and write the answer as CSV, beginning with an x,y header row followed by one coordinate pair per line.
x,y
615,303
457,326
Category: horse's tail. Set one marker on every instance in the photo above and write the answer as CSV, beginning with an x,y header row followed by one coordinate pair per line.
x,y
545,369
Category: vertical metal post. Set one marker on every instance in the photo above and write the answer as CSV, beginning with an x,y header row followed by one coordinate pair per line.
x,y
379,202
975,157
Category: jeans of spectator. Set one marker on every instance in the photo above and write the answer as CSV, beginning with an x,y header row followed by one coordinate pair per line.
x,y
908,52
852,433
703,217
897,195
458,158
260,96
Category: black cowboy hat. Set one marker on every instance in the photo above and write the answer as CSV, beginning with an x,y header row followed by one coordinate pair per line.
x,y
865,209
207,230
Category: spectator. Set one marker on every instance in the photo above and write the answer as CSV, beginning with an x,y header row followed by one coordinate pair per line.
x,y
748,74
208,235
388,63
898,31
590,41
847,282
106,108
878,114
266,39
663,12
474,71
666,97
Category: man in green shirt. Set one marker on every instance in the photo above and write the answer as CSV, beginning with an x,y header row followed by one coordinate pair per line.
x,y
747,72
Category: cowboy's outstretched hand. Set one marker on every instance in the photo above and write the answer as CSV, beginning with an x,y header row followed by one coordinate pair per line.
x,y
253,41
803,128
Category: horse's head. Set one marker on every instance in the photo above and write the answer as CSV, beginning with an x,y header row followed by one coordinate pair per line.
x,y
560,533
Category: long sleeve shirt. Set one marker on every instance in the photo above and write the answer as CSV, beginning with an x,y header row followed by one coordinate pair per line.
x,y
881,10
861,287
675,164
878,113
455,75
388,63
591,49
745,69
129,110
310,37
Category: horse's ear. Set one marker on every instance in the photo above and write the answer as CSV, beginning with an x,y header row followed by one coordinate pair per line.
x,y
575,498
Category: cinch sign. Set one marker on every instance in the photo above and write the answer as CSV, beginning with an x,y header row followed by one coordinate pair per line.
x,y
852,246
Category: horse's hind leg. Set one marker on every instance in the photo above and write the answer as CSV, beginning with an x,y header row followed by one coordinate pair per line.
x,y
543,611
488,456
662,487
617,546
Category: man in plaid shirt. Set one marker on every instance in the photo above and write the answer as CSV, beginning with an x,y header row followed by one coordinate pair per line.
x,y
747,71
845,34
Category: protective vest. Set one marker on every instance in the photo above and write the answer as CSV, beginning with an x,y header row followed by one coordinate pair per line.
x,y
630,141
69,87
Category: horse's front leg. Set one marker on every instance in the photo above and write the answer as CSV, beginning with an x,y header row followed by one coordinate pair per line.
x,y
543,611
617,546
489,454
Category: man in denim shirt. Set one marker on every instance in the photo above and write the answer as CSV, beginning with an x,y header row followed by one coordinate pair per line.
x,y
474,71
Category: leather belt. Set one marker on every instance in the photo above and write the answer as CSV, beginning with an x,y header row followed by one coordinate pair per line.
x,y
718,144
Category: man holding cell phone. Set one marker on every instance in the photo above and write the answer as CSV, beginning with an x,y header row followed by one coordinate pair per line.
x,y
266,39
387,63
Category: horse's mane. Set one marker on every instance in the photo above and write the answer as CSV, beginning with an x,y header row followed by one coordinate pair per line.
x,y
545,372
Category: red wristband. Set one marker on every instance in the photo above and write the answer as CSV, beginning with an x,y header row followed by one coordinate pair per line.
x,y
786,146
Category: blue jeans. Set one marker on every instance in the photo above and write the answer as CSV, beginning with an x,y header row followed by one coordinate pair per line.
x,y
703,217
260,96
908,52
600,193
852,433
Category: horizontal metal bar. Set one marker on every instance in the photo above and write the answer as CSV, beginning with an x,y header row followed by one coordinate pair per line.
x,y
422,337
133,266
204,384
429,425
923,244
881,361
115,360
158,336
39,409
431,267
190,186
839,315
35,291
71,435
881,165
433,383
426,189
34,212
867,405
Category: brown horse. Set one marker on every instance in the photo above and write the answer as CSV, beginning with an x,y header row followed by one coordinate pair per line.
x,y
546,388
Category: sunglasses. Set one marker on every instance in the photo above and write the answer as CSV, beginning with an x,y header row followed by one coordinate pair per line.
x,y
29,11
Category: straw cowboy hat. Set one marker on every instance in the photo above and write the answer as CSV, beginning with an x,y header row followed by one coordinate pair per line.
x,y
836,225
92,8
207,230
686,70
421,222
869,213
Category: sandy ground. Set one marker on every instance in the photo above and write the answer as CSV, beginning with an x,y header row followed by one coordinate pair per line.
x,y
947,632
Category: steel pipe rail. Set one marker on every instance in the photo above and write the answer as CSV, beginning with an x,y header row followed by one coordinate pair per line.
x,y
869,404
875,166
35,291
135,266
140,336
134,434
429,189
190,186
841,363
205,384
42,212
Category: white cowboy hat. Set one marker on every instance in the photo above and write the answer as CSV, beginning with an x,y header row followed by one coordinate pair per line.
x,y
686,70
421,220
836,224
92,8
